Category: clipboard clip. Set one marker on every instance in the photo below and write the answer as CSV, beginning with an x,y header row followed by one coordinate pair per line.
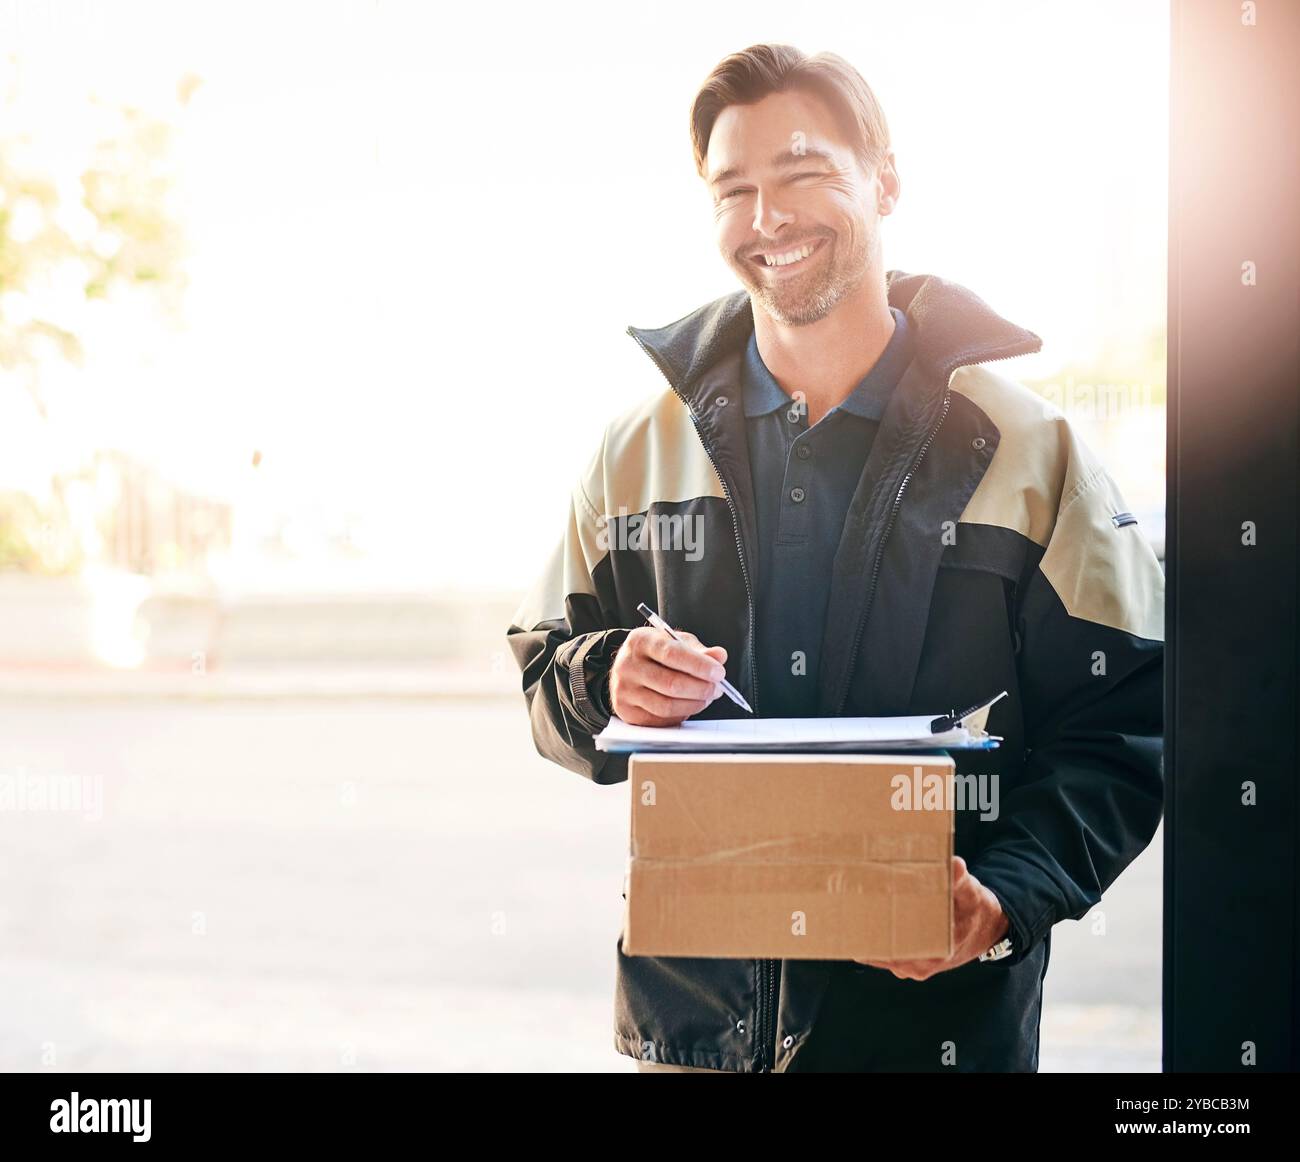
x,y
953,719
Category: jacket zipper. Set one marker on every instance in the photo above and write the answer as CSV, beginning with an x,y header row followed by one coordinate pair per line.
x,y
766,969
735,516
893,514
880,548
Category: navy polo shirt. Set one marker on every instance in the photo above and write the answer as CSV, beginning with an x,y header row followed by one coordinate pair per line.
x,y
804,479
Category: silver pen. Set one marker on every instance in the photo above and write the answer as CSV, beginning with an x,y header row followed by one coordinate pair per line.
x,y
658,622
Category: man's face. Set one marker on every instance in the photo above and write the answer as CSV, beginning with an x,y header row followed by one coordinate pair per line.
x,y
782,179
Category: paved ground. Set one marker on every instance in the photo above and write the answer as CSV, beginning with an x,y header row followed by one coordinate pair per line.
x,y
325,884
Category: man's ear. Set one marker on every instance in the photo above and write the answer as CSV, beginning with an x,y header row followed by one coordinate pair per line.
x,y
890,186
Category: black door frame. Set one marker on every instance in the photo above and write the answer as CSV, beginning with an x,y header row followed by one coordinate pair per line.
x,y
1231,919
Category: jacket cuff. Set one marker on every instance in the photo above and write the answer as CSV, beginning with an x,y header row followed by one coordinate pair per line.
x,y
588,664
598,690
1031,918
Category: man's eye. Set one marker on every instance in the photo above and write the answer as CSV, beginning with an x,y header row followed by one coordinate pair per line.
x,y
731,194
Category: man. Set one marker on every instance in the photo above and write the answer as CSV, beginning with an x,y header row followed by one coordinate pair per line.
x,y
837,494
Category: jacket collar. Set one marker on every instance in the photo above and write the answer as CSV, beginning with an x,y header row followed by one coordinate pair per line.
x,y
950,327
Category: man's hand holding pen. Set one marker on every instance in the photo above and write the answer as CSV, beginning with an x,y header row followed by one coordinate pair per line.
x,y
657,680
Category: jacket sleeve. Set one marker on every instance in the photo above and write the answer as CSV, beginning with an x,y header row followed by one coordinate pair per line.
x,y
563,637
1090,624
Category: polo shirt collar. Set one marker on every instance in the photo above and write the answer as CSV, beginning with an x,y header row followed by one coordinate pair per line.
x,y
762,394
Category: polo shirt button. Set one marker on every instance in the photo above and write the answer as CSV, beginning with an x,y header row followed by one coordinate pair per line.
x,y
787,1042
797,495
803,452
721,401
978,442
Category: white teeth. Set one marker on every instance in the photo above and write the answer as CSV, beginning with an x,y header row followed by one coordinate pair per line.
x,y
789,256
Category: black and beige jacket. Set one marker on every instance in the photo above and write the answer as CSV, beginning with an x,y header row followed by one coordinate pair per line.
x,y
985,549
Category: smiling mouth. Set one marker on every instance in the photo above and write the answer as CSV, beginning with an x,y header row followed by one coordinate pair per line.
x,y
789,257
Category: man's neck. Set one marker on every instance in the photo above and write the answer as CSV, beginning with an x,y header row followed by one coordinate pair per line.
x,y
827,359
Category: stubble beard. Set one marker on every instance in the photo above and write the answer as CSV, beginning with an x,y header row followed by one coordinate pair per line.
x,y
809,297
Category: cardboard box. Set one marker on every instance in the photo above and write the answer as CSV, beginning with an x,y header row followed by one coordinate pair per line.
x,y
791,856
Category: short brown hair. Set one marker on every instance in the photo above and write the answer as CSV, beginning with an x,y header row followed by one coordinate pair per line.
x,y
745,78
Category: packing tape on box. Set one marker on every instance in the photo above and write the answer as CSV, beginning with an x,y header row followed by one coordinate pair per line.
x,y
922,847
742,877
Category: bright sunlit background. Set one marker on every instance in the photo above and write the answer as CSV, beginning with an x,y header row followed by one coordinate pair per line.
x,y
309,315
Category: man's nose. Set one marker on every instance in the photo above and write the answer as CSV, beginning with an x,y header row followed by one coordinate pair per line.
x,y
769,216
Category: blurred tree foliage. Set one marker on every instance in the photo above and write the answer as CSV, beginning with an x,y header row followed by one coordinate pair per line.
x,y
29,540
79,233
109,231
1122,376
